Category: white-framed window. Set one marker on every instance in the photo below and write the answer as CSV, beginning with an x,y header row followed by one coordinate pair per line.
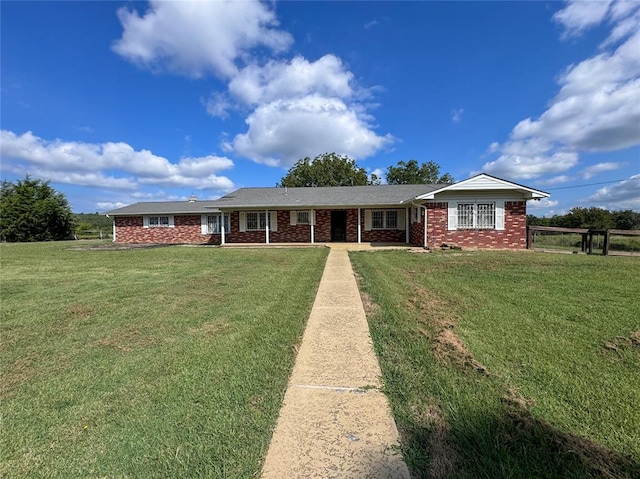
x,y
476,216
158,221
212,224
384,219
415,214
302,217
479,215
257,221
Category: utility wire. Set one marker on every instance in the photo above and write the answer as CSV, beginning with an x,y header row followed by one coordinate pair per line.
x,y
589,184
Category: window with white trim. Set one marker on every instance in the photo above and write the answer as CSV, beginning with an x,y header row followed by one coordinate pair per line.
x,y
159,221
476,215
256,220
384,219
214,223
302,218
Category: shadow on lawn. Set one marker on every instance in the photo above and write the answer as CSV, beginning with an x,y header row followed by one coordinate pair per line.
x,y
508,443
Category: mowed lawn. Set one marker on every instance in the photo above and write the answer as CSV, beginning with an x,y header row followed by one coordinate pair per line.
x,y
164,362
518,365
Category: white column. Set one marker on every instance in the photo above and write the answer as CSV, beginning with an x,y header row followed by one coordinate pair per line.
x,y
359,227
114,230
312,220
222,230
407,218
266,226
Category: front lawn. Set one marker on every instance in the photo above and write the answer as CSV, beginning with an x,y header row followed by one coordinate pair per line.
x,y
516,365
165,362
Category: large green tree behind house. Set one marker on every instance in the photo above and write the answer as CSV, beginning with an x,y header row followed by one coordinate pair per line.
x,y
328,169
31,210
410,173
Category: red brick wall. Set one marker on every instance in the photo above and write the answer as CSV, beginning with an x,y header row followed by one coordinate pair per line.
x,y
513,236
187,229
416,231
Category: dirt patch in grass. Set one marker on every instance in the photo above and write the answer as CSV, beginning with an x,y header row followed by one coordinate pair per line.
x,y
440,324
211,329
614,347
126,340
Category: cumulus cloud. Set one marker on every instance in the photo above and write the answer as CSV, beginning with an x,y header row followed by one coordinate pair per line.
x,y
318,124
542,204
620,196
296,107
555,180
198,38
598,168
88,163
597,107
110,205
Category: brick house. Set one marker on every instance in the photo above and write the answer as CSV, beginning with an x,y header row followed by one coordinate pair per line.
x,y
482,211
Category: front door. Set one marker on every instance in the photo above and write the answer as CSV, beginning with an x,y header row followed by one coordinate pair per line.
x,y
338,226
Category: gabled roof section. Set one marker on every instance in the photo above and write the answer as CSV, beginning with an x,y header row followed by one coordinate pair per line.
x,y
164,208
323,196
488,183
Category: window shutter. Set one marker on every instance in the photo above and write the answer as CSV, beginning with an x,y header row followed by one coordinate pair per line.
x,y
500,214
203,224
145,221
243,222
312,217
273,221
414,214
367,220
402,215
293,218
171,223
452,223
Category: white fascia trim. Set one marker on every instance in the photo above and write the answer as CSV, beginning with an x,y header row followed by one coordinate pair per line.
x,y
533,194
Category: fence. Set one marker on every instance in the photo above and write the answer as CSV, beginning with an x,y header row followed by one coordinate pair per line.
x,y
587,240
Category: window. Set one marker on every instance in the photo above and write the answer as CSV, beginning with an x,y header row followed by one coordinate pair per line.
x,y
158,221
214,224
385,219
377,220
303,218
476,216
256,220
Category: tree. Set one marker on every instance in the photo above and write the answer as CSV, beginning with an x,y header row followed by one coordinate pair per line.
x,y
31,210
409,173
328,169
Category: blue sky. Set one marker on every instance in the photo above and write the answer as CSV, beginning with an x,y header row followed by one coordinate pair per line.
x,y
119,102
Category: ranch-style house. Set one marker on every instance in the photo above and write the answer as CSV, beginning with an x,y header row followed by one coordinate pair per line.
x,y
480,212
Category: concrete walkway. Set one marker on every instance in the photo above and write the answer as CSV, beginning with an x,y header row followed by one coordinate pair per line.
x,y
335,423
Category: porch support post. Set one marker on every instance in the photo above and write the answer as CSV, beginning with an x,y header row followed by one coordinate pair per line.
x,y
266,226
222,231
313,224
406,225
359,227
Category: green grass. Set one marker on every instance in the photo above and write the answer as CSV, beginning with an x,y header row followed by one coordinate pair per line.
x,y
165,362
515,365
573,242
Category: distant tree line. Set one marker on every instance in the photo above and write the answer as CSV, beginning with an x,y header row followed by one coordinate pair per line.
x,y
591,218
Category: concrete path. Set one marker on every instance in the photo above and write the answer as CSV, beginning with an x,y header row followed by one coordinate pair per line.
x,y
335,423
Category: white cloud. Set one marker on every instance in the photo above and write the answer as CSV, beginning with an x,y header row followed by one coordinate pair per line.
x,y
198,38
527,167
541,204
580,15
593,170
297,107
87,164
456,115
283,131
110,205
555,180
598,105
621,196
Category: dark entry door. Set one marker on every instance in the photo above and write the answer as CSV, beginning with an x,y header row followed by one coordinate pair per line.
x,y
338,226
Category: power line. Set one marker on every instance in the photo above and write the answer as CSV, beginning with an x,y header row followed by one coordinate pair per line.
x,y
589,184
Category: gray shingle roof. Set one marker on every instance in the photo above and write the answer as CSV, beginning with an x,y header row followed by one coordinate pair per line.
x,y
337,196
164,207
